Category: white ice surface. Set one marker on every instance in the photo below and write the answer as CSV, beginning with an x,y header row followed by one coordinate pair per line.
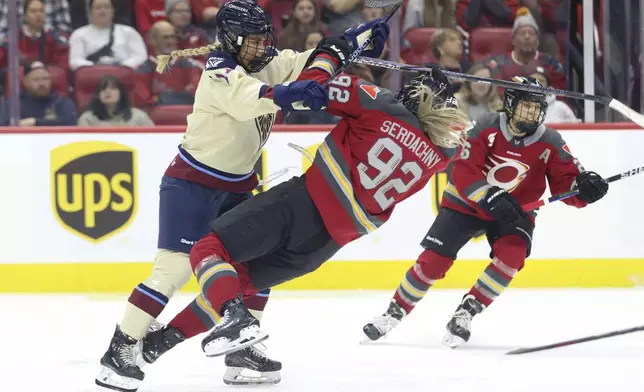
x,y
53,343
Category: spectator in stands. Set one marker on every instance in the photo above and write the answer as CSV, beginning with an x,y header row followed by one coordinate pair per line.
x,y
39,104
558,111
147,12
312,39
525,56
176,87
56,16
123,12
188,35
36,43
110,106
447,48
104,42
303,20
429,13
471,14
340,15
205,11
477,99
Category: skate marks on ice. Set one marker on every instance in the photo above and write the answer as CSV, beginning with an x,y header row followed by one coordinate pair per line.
x,y
317,337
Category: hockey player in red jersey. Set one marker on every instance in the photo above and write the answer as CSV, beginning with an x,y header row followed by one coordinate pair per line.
x,y
384,150
481,198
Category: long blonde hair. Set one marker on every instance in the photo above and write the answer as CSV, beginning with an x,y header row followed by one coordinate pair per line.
x,y
446,126
164,59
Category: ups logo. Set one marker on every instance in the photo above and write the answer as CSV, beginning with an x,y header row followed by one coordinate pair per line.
x,y
94,188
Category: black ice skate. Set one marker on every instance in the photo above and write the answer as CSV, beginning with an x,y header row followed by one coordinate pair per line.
x,y
157,343
251,366
237,330
118,366
381,325
460,326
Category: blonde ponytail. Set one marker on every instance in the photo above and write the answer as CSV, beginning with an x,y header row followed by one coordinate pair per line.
x,y
164,59
446,126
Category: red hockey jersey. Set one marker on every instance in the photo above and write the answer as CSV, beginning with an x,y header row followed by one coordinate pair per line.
x,y
375,157
493,157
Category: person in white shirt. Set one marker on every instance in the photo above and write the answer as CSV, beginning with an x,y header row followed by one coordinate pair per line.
x,y
105,42
558,111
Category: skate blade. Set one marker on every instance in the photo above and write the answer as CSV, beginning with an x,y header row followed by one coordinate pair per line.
x,y
452,341
108,379
223,346
235,376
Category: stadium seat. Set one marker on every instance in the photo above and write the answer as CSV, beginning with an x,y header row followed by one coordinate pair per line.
x,y
86,81
490,41
170,114
59,80
420,51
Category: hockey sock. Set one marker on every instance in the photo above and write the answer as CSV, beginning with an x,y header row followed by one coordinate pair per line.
x,y
217,278
144,305
509,256
429,268
256,303
196,318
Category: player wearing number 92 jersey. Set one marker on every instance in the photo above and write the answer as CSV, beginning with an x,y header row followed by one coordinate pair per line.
x,y
385,149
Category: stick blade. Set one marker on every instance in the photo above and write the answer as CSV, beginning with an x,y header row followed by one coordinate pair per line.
x,y
631,114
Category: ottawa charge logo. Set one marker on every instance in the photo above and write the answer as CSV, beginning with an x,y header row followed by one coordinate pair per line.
x,y
93,188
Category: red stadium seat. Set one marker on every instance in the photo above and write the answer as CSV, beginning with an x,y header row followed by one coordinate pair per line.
x,y
420,51
490,41
59,80
86,81
170,114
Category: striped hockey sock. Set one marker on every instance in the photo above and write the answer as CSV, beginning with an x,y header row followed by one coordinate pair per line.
x,y
148,300
429,268
492,282
196,318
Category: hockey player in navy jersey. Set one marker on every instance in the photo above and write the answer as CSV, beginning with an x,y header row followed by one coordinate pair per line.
x,y
506,162
246,81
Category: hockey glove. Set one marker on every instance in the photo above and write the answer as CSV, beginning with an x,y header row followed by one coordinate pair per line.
x,y
502,206
441,86
591,186
299,95
335,47
377,29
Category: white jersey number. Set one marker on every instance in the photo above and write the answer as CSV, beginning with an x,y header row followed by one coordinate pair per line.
x,y
386,169
337,94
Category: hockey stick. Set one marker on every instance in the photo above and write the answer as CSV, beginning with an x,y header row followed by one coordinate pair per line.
x,y
539,203
356,53
526,350
614,104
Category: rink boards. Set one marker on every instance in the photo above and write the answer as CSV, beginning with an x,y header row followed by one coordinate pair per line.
x,y
79,212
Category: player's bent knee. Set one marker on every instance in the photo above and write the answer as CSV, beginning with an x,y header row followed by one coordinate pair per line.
x,y
511,250
433,265
170,273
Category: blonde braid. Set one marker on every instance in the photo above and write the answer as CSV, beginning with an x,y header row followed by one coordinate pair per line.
x,y
164,59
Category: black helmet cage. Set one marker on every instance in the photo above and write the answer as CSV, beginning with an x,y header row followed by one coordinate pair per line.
x,y
511,100
442,98
239,19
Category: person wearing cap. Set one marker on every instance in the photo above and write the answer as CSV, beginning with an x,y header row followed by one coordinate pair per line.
x,y
525,55
39,104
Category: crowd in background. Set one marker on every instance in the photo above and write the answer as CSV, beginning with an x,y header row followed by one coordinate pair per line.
x,y
92,62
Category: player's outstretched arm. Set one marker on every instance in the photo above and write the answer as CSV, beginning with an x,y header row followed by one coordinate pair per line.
x,y
565,172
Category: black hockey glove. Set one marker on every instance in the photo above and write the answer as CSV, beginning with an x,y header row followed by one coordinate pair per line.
x,y
502,206
441,86
334,47
591,185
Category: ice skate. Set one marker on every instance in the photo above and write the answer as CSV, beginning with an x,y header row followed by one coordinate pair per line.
x,y
381,325
251,366
237,330
158,342
460,326
119,371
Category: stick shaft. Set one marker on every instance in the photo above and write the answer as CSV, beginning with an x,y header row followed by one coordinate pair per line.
x,y
575,341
